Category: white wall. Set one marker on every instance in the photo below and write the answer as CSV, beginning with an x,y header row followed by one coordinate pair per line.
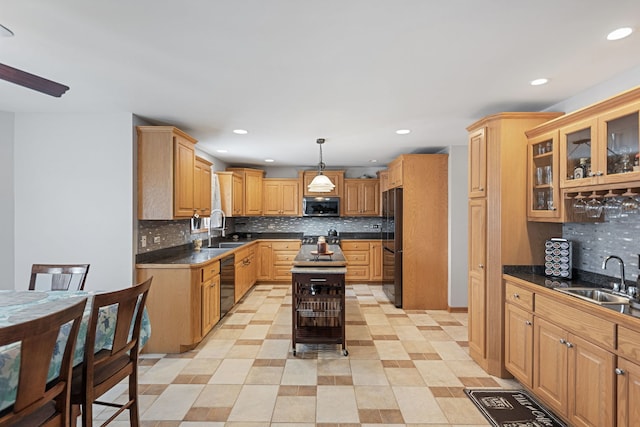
x,y
458,225
74,195
7,199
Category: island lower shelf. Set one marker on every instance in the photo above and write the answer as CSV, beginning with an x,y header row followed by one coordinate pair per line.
x,y
318,309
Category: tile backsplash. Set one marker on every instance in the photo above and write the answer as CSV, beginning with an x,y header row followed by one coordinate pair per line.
x,y
593,242
178,232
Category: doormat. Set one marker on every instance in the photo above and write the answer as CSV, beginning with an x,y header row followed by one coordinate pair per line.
x,y
512,408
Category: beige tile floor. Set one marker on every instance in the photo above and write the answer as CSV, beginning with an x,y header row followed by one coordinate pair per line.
x,y
404,368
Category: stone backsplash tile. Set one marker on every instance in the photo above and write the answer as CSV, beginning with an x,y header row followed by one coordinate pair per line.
x,y
592,243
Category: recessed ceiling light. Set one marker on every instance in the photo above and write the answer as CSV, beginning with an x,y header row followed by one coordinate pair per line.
x,y
620,33
221,151
538,82
403,131
240,131
5,32
373,161
269,160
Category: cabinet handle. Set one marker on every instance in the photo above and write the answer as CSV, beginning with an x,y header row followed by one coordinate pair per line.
x,y
563,341
516,296
619,371
481,266
528,323
480,189
600,173
569,345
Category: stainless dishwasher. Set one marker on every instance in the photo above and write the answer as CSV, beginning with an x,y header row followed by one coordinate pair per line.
x,y
227,284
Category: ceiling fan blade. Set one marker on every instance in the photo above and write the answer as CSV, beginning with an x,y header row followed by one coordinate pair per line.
x,y
32,81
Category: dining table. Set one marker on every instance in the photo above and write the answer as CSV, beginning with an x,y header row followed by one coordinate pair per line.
x,y
21,306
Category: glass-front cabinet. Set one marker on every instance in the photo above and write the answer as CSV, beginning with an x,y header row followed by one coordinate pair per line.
x,y
543,182
601,150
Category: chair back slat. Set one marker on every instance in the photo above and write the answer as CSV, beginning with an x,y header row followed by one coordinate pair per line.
x,y
38,340
58,277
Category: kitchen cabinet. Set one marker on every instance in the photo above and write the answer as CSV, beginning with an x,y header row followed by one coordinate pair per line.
x,y
210,297
183,304
336,176
166,169
202,187
383,176
543,182
364,260
519,333
628,376
231,193
395,173
246,270
276,259
361,197
499,233
573,376
252,200
281,197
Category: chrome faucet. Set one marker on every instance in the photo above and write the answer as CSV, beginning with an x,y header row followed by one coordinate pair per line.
x,y
617,287
224,222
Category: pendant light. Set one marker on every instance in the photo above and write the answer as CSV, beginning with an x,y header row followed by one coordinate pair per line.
x,y
321,183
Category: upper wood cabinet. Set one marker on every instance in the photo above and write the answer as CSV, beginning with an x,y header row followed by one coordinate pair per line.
x,y
202,187
543,183
336,176
477,163
281,196
383,176
252,201
395,173
231,193
166,169
361,197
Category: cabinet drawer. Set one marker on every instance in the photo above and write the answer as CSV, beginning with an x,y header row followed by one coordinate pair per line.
x,y
209,271
354,246
284,257
628,343
587,326
281,272
276,246
357,272
357,257
519,296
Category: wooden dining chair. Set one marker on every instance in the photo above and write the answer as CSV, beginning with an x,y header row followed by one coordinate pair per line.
x,y
59,277
40,402
104,369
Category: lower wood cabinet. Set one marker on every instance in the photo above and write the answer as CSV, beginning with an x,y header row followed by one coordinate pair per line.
x,y
210,303
628,384
276,259
245,270
364,260
518,346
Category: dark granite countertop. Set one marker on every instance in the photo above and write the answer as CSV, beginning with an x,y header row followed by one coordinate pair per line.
x,y
305,257
583,279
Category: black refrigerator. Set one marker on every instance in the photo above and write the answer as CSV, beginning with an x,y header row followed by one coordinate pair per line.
x,y
392,245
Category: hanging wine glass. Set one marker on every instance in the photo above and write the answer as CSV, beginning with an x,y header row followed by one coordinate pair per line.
x,y
612,207
594,206
579,204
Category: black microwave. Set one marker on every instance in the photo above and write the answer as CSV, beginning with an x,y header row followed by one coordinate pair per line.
x,y
320,206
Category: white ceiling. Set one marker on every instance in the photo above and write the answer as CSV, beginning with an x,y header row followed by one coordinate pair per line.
x,y
292,71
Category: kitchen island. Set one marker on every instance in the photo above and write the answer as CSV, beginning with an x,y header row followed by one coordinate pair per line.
x,y
318,296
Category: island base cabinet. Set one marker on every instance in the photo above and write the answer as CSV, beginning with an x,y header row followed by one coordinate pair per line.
x,y
573,376
519,344
628,393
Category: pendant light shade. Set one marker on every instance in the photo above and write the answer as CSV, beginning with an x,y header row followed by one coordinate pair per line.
x,y
321,183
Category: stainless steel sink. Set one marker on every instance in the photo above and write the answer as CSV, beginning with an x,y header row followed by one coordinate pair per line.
x,y
216,251
602,296
230,244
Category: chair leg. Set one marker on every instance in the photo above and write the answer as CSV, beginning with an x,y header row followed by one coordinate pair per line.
x,y
87,414
134,416
75,413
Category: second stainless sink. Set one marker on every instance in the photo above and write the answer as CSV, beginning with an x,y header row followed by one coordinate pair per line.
x,y
230,244
600,296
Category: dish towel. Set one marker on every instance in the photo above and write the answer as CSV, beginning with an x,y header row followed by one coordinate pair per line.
x,y
216,202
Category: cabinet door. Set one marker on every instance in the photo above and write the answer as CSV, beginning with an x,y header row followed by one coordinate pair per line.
x,y
237,195
184,169
265,261
478,163
272,194
550,364
376,261
543,183
519,344
477,277
628,393
253,193
619,144
291,203
591,384
351,200
370,197
577,146
202,187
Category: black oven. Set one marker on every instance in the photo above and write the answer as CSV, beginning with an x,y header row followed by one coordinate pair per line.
x,y
320,206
